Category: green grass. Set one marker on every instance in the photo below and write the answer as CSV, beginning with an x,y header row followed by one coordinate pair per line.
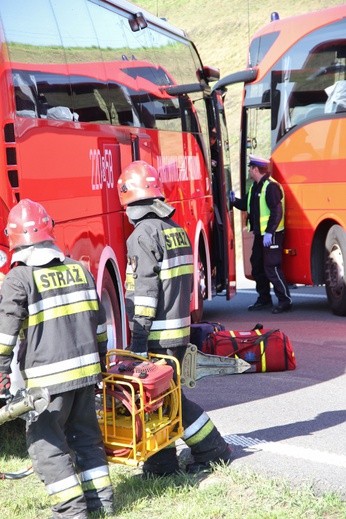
x,y
225,494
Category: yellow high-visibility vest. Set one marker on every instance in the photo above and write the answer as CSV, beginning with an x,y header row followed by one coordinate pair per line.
x,y
264,209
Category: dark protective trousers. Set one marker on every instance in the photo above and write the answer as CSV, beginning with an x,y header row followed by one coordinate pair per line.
x,y
67,453
266,268
200,434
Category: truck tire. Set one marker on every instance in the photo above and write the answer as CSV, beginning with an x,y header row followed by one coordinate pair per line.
x,y
109,299
335,269
197,313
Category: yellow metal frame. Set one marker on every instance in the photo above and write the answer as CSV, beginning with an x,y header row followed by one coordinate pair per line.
x,y
132,427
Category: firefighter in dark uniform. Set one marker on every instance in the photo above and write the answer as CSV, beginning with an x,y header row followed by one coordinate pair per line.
x,y
264,204
50,303
158,286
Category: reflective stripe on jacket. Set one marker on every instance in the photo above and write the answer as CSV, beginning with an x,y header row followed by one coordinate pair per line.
x,y
264,211
158,285
56,312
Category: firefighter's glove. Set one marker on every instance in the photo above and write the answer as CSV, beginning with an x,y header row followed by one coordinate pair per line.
x,y
5,383
231,197
267,239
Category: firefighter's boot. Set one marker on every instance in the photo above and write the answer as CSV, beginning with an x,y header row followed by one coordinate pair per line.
x,y
163,463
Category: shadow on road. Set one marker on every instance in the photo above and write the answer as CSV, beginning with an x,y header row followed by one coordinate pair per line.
x,y
318,339
304,428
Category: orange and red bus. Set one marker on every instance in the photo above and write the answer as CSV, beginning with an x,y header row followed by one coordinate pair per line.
x,y
86,87
294,111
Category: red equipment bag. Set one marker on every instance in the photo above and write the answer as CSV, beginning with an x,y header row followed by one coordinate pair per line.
x,y
265,350
200,332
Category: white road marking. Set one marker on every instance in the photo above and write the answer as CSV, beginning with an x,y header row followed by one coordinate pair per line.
x,y
254,444
293,294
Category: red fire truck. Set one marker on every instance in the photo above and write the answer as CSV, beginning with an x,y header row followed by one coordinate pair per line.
x,y
87,87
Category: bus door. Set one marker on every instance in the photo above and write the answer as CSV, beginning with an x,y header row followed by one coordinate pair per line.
x,y
224,242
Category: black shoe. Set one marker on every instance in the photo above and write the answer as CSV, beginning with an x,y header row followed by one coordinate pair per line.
x,y
282,307
259,306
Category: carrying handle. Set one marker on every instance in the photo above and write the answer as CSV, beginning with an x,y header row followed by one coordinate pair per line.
x,y
255,340
258,326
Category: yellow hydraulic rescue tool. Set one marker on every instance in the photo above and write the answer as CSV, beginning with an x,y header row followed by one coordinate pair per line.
x,y
140,401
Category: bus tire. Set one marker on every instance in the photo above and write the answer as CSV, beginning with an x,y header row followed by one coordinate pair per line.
x,y
197,313
110,301
335,273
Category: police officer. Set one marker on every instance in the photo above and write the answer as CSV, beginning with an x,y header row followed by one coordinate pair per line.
x,y
264,204
158,286
50,303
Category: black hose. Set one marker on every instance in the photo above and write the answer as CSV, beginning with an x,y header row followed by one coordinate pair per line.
x,y
17,475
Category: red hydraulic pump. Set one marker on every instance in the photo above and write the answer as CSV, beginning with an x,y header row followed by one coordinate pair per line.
x,y
139,406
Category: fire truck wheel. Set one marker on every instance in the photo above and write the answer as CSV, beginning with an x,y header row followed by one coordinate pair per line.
x,y
336,269
197,313
110,302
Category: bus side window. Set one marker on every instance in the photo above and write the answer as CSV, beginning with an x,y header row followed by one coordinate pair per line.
x,y
120,105
25,90
90,100
146,114
54,97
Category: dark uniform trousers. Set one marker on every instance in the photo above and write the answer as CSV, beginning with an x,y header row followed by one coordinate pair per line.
x,y
70,424
266,269
200,434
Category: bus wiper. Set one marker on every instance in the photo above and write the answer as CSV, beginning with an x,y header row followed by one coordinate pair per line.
x,y
334,67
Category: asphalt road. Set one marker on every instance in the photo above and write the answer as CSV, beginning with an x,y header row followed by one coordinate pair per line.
x,y
288,424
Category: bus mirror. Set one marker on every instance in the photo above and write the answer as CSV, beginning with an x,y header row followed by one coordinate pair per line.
x,y
180,90
208,73
243,76
138,22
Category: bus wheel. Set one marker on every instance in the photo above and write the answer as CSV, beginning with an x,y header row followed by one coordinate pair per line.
x,y
111,305
196,315
335,269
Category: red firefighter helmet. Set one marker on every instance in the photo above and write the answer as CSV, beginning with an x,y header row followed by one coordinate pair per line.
x,y
139,181
28,223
